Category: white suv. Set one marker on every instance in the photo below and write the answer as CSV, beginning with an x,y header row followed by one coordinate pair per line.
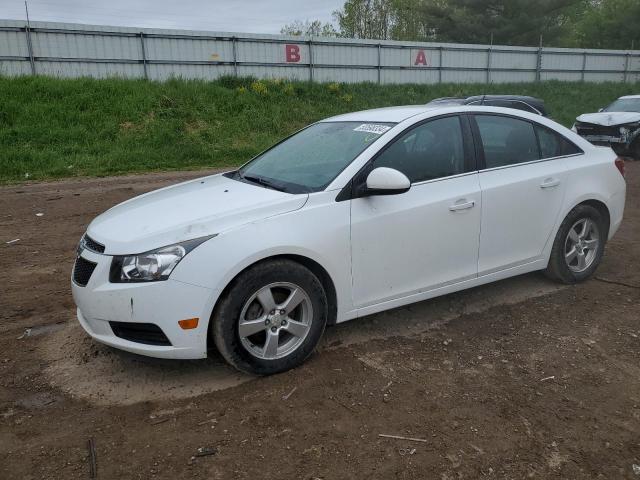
x,y
350,216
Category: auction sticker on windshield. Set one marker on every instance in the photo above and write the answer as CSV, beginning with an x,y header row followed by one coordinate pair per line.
x,y
372,128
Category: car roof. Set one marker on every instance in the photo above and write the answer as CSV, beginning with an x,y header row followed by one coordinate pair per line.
x,y
629,96
387,114
402,113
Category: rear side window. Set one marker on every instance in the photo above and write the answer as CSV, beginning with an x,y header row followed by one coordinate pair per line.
x,y
507,141
432,150
552,144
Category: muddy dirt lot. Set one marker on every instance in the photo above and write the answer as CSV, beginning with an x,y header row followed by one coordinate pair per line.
x,y
519,379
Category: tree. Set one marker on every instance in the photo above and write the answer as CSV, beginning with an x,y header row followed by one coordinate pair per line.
x,y
609,24
513,22
561,23
366,19
314,28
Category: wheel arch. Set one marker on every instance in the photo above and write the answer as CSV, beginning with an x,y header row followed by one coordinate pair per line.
x,y
590,200
602,208
316,268
594,201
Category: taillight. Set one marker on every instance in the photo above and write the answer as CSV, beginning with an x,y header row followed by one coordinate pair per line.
x,y
620,165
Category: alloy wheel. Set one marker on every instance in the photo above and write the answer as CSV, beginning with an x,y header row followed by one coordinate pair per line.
x,y
581,245
275,320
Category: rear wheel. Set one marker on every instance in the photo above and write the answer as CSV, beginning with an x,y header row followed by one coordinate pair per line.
x,y
578,246
271,319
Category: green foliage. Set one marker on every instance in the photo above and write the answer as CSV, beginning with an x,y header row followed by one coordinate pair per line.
x,y
313,28
60,128
561,23
512,22
610,24
366,19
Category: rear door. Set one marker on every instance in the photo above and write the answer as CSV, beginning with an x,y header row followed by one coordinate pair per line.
x,y
522,190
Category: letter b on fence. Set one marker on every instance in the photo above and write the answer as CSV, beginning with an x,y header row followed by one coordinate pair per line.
x,y
292,53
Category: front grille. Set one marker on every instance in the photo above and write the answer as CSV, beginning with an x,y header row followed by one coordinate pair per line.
x,y
82,271
591,129
147,333
92,245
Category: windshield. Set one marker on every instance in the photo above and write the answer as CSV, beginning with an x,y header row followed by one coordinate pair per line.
x,y
312,158
624,105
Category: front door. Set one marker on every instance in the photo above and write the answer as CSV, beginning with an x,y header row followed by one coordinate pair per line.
x,y
427,237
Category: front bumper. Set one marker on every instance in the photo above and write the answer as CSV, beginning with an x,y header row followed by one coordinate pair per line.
x,y
162,303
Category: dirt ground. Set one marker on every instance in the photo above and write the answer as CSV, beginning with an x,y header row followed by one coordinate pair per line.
x,y
520,379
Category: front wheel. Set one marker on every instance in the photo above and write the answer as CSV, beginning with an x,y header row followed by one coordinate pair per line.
x,y
579,245
271,319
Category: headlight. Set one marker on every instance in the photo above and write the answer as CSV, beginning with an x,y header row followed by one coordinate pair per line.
x,y
151,266
624,130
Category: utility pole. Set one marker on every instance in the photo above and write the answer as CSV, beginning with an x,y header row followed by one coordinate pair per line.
x,y
539,62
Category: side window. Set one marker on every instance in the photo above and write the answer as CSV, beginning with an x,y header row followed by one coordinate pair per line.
x,y
432,150
506,140
553,144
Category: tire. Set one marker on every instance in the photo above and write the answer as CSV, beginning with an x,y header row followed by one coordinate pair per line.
x,y
255,310
571,243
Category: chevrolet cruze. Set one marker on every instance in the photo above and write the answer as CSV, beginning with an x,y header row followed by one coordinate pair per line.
x,y
350,216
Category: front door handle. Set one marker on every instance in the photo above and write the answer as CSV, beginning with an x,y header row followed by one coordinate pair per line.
x,y
462,205
550,183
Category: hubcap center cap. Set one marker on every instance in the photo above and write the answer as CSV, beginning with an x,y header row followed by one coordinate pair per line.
x,y
276,319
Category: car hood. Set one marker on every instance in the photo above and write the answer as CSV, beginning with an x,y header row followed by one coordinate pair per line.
x,y
197,208
609,119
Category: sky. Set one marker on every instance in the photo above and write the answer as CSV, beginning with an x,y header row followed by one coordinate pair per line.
x,y
249,16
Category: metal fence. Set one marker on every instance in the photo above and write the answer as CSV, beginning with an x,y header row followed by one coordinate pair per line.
x,y
73,50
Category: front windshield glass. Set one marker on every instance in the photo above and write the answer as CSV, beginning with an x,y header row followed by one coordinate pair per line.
x,y
624,105
312,158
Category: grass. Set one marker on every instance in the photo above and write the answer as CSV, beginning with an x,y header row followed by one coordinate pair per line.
x,y
53,128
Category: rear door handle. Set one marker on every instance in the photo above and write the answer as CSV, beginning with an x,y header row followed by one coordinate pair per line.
x,y
462,205
550,183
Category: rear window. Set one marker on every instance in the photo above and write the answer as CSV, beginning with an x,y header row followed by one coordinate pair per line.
x,y
552,144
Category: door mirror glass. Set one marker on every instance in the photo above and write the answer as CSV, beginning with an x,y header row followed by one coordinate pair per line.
x,y
387,181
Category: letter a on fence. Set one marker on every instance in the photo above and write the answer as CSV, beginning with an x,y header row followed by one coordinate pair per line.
x,y
292,53
421,59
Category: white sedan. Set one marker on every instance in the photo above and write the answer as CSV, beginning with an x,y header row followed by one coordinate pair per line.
x,y
350,216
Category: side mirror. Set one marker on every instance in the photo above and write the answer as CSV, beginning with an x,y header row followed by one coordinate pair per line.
x,y
600,110
387,181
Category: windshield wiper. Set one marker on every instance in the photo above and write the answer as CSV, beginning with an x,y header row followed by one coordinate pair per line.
x,y
262,181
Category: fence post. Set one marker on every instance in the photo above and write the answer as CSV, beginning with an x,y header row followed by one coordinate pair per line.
x,y
144,56
311,59
584,65
379,64
440,64
27,30
234,50
489,53
539,63
30,48
626,67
